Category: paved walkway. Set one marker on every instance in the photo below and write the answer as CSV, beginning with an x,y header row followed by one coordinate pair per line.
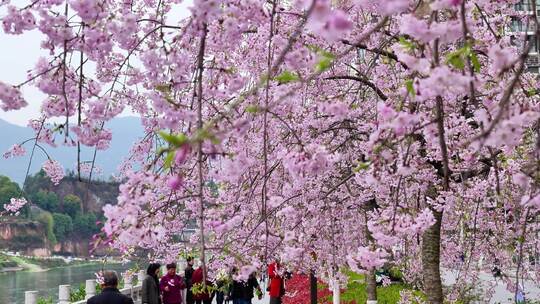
x,y
501,294
264,300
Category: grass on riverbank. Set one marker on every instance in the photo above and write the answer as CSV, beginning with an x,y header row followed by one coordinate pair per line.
x,y
22,262
6,262
37,264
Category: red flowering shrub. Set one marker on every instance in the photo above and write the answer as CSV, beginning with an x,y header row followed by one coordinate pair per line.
x,y
297,291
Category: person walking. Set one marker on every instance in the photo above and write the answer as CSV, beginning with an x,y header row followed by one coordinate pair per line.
x,y
197,279
251,287
171,286
276,286
109,291
188,274
222,286
243,292
150,285
236,291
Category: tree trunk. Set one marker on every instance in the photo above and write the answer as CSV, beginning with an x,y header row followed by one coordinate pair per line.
x,y
431,241
371,287
313,287
371,282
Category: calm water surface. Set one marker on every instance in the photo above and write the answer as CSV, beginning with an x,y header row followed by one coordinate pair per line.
x,y
14,284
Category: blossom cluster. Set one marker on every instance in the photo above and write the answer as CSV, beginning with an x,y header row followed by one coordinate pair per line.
x,y
14,151
54,170
323,134
15,204
11,98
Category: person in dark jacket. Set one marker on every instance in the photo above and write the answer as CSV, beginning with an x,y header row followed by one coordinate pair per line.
x,y
171,286
243,292
236,291
250,287
109,291
150,285
188,274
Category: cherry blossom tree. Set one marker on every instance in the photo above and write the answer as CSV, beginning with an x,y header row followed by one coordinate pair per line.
x,y
323,134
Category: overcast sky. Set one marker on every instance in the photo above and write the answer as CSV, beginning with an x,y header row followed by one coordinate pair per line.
x,y
19,54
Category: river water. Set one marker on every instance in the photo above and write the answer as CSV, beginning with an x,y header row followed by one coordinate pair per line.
x,y
14,284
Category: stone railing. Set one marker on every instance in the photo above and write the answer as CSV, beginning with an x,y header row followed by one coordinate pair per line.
x,y
134,291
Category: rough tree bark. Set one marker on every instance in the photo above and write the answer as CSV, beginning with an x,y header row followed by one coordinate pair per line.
x,y
431,241
371,286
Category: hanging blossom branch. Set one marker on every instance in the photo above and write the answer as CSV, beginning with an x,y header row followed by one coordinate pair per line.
x,y
264,193
200,70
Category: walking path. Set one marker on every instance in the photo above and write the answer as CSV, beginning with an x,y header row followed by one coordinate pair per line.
x,y
500,293
264,300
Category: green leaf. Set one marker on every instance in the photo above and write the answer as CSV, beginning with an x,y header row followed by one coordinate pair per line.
x,y
410,87
286,77
325,58
475,62
466,50
163,88
458,57
252,109
323,64
204,134
175,140
455,60
161,150
182,139
166,136
325,61
406,44
169,159
313,48
214,140
327,54
361,166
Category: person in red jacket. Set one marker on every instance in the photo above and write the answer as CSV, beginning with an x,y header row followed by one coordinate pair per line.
x,y
171,286
276,287
197,279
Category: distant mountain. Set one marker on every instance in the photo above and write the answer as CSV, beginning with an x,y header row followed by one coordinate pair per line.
x,y
126,131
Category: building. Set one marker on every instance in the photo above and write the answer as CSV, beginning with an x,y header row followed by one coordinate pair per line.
x,y
519,27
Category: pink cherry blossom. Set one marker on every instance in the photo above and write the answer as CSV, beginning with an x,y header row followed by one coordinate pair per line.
x,y
15,205
16,22
11,98
54,171
502,58
175,182
14,151
323,134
